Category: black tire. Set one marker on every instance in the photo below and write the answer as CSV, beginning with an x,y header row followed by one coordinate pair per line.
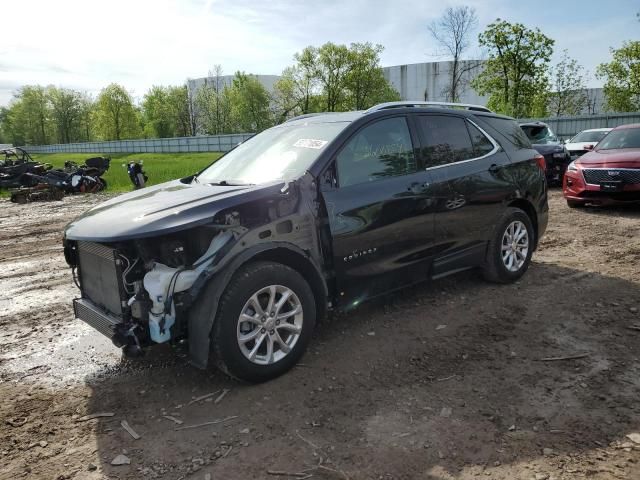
x,y
495,269
103,184
574,204
249,279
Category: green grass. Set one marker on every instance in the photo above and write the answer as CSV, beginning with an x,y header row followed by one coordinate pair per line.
x,y
159,167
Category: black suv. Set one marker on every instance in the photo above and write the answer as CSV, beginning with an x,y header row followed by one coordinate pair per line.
x,y
556,156
322,212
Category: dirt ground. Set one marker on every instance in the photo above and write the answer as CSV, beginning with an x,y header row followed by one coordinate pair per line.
x,y
443,381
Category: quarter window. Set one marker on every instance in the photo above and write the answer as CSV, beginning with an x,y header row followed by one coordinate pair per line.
x,y
481,144
380,150
446,140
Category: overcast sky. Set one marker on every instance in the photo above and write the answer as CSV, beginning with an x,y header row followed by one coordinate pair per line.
x,y
86,44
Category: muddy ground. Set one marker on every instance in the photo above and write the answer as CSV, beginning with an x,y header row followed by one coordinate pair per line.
x,y
443,381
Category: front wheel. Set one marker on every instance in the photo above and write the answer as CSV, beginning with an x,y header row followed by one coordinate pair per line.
x,y
510,249
264,322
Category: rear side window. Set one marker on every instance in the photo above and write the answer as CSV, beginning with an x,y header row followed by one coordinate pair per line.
x,y
481,144
382,149
509,129
446,140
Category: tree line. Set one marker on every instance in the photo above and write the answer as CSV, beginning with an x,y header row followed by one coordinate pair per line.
x,y
327,78
515,73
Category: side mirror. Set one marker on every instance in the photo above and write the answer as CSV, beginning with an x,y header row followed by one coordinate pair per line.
x,y
588,147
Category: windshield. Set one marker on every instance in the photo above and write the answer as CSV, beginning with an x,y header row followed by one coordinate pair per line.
x,y
539,134
593,137
284,152
624,138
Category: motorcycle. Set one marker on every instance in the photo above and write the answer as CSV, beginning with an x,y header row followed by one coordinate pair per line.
x,y
137,174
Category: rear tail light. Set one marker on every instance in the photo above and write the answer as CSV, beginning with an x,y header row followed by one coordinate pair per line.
x,y
542,164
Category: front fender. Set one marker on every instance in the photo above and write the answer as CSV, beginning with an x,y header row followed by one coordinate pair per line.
x,y
202,315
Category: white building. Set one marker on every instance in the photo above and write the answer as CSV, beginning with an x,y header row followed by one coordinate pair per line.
x,y
430,81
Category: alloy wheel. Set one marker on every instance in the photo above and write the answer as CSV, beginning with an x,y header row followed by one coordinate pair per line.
x,y
269,324
515,246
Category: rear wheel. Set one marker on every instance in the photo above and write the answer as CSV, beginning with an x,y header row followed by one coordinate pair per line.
x,y
510,249
264,322
103,184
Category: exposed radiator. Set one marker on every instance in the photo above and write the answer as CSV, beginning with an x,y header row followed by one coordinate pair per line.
x,y
101,276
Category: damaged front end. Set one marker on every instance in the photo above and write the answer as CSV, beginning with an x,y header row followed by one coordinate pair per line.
x,y
136,292
140,289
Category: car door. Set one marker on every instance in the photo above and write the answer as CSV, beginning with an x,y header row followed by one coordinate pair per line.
x,y
470,183
379,218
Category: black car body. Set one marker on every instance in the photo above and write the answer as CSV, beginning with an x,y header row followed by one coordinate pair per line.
x,y
321,212
546,142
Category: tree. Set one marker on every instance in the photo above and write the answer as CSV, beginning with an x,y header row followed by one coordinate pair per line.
x,y
515,74
332,78
250,104
116,116
213,104
364,81
568,96
331,70
622,78
86,123
66,111
296,91
178,99
452,32
159,119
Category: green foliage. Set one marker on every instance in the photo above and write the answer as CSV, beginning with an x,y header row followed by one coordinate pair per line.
x,y
515,74
622,78
332,68
568,96
250,107
160,167
332,78
165,112
364,82
116,117
213,104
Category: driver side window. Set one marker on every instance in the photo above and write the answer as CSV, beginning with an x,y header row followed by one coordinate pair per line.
x,y
382,149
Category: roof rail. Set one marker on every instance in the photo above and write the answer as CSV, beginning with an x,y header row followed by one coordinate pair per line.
x,y
410,103
305,115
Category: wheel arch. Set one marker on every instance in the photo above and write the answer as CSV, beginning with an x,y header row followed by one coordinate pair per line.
x,y
527,207
203,313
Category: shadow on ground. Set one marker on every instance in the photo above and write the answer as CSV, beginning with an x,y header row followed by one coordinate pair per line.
x,y
444,381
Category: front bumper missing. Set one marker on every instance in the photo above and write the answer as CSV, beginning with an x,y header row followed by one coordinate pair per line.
x,y
96,317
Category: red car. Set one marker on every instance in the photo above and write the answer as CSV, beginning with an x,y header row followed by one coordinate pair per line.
x,y
609,174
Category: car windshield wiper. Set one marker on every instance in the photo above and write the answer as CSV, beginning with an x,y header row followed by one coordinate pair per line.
x,y
230,183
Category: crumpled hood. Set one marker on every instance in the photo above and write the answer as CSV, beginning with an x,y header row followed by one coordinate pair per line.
x,y
161,209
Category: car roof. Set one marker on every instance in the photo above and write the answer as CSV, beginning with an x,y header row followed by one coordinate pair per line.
x,y
327,117
630,125
330,117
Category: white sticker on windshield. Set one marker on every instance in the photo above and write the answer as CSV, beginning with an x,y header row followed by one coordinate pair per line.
x,y
310,143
